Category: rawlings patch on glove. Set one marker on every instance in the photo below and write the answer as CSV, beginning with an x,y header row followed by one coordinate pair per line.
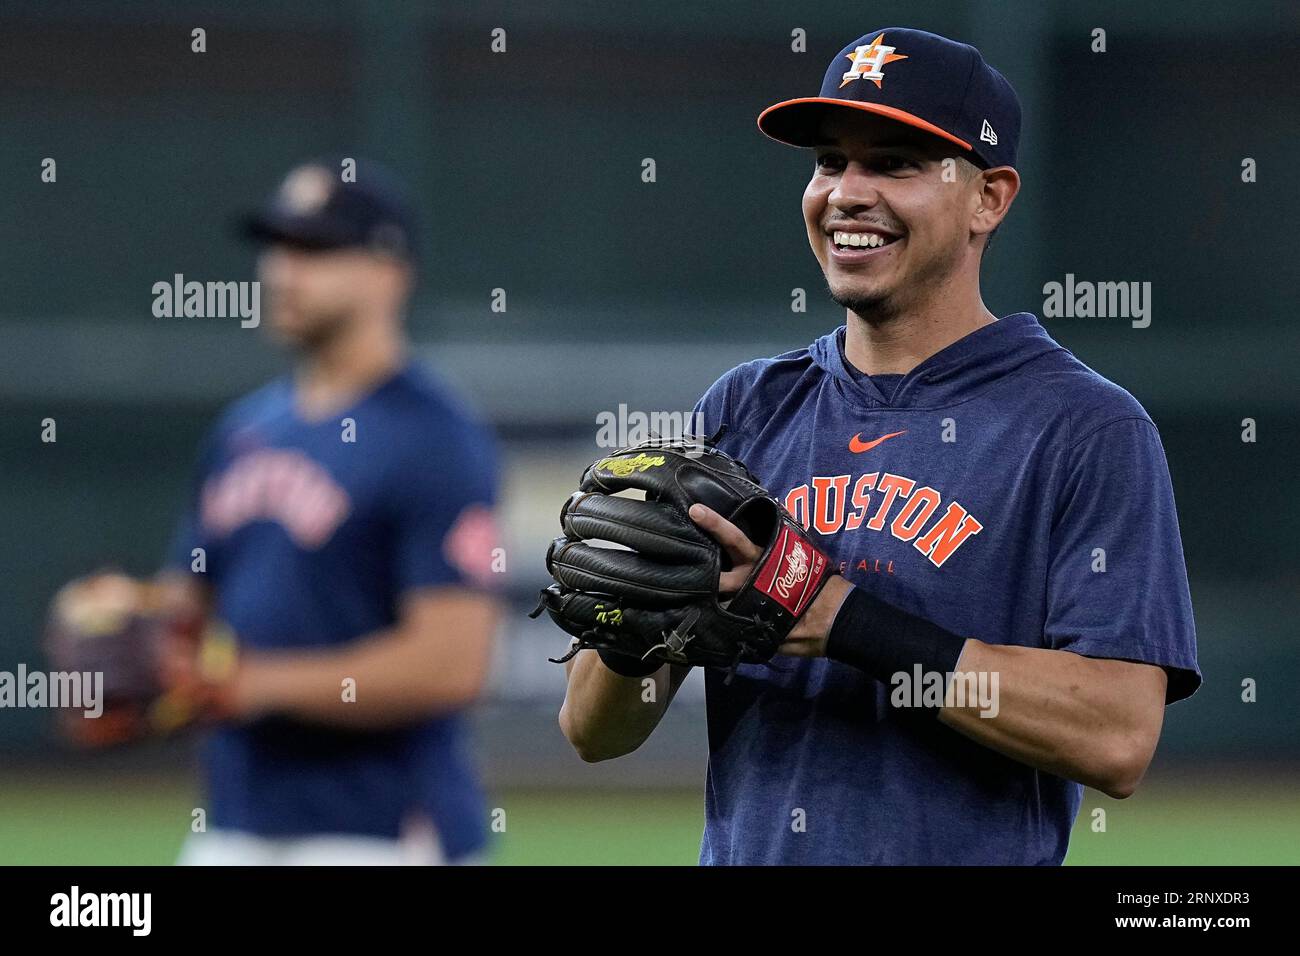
x,y
656,598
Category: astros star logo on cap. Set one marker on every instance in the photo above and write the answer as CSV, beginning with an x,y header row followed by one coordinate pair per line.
x,y
306,190
869,61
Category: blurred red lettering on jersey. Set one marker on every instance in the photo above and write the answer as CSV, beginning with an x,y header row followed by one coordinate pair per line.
x,y
829,508
277,485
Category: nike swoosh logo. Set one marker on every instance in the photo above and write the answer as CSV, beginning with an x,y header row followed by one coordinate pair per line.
x,y
858,446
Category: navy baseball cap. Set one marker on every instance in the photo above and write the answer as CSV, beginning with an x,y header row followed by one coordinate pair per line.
x,y
926,81
314,208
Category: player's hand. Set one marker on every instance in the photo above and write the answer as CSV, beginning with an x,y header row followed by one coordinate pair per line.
x,y
808,639
742,552
199,665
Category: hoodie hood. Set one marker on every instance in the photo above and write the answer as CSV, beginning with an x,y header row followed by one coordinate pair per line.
x,y
953,374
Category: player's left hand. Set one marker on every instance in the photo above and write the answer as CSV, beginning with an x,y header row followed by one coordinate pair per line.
x,y
808,639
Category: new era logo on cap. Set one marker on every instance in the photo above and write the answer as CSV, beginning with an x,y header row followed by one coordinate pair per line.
x,y
923,80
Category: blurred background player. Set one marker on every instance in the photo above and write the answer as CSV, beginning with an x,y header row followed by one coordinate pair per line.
x,y
344,514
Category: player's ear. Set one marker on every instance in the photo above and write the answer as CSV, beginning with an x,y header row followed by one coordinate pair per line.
x,y
403,278
996,190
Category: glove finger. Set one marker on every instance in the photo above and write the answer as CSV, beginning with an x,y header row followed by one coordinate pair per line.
x,y
675,635
653,529
637,632
552,600
629,576
650,470
601,623
681,475
578,612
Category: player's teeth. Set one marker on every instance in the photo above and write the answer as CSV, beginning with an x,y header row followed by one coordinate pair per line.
x,y
860,240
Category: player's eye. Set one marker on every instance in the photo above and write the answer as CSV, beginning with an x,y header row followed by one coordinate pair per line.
x,y
895,162
829,162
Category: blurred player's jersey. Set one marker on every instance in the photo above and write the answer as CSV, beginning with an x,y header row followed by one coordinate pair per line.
x,y
1002,490
313,530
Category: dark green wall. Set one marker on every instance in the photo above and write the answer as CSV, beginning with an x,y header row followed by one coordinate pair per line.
x,y
527,166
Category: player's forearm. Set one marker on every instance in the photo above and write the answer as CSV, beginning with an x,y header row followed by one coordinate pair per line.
x,y
1091,720
606,715
388,679
1094,721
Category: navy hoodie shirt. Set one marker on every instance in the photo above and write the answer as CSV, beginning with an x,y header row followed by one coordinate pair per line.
x,y
1002,490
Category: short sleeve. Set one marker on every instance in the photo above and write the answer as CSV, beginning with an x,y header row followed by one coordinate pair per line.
x,y
713,408
1117,581
443,514
188,532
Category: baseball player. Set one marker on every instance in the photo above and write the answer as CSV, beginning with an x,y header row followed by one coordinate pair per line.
x,y
1007,613
341,527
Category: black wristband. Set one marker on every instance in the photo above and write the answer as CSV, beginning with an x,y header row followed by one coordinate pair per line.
x,y
627,665
882,640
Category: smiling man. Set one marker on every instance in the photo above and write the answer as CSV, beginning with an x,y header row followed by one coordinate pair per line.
x,y
996,510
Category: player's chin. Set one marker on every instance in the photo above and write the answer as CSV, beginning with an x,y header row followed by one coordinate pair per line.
x,y
864,296
291,329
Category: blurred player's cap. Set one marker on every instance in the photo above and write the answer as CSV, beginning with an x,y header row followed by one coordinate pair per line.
x,y
316,208
926,81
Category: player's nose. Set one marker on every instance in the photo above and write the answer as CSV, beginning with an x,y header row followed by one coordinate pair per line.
x,y
854,187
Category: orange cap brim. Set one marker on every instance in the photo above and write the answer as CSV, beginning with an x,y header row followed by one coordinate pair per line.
x,y
797,125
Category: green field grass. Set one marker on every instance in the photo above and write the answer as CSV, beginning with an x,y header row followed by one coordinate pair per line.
x,y
139,822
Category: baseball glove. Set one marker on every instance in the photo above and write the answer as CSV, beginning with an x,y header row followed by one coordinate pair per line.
x,y
163,670
655,600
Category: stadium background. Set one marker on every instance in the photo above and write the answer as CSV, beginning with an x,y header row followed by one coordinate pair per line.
x,y
528,167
